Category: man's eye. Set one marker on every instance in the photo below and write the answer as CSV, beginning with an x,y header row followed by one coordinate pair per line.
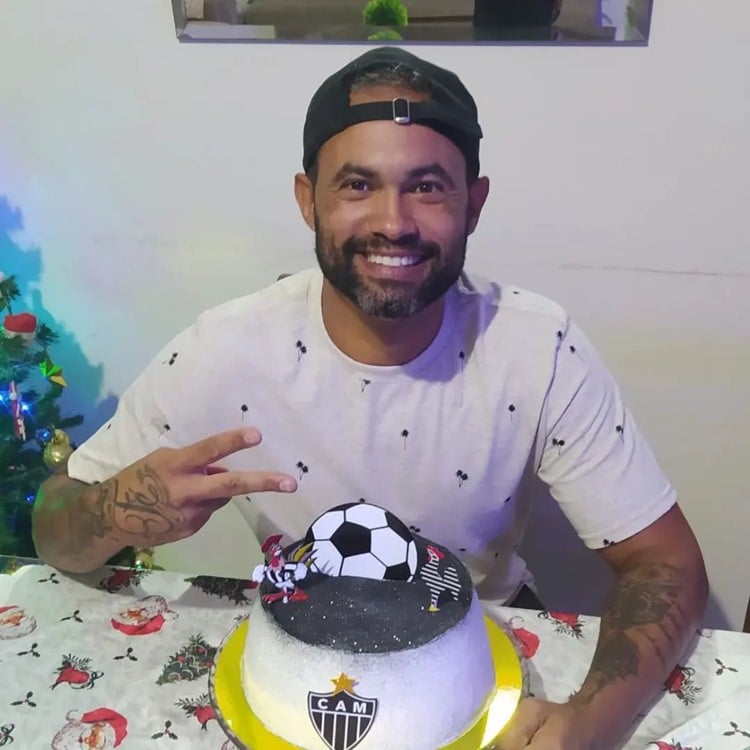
x,y
356,185
429,186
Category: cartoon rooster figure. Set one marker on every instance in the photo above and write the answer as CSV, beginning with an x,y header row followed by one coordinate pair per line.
x,y
436,581
283,574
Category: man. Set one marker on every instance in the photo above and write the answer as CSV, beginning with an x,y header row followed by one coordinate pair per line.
x,y
392,375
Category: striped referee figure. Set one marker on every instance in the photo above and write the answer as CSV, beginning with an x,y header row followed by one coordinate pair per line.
x,y
438,582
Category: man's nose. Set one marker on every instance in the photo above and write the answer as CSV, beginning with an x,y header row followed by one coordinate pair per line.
x,y
392,215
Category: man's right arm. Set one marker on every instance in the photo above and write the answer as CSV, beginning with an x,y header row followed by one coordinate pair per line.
x,y
167,496
70,527
77,527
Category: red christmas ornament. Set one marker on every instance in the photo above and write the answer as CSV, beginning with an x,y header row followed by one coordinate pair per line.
x,y
23,325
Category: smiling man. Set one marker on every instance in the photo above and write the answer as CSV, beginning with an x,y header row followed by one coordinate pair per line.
x,y
389,373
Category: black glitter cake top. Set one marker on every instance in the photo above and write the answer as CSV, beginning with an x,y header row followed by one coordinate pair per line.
x,y
361,581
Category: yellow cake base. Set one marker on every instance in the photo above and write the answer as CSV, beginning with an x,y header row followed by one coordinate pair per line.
x,y
245,729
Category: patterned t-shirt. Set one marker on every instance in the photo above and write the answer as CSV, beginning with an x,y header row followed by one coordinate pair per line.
x,y
509,390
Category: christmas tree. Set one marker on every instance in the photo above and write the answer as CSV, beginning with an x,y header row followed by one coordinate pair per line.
x,y
231,588
33,442
192,661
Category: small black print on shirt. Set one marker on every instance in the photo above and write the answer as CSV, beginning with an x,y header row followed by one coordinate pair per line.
x,y
302,468
171,360
559,443
301,350
462,477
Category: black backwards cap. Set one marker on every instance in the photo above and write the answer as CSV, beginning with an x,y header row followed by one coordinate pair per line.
x,y
450,110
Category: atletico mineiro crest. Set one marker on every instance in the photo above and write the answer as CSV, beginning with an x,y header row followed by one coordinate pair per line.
x,y
342,718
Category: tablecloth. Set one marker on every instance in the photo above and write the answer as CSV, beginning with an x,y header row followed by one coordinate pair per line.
x,y
120,658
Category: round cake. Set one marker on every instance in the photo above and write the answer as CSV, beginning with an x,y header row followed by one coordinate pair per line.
x,y
365,635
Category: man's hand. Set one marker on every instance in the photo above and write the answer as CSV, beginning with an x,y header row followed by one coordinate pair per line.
x,y
171,493
166,496
541,725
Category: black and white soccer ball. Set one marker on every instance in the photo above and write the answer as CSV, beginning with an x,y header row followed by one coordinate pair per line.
x,y
363,540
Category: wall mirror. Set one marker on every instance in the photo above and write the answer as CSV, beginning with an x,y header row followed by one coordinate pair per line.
x,y
579,22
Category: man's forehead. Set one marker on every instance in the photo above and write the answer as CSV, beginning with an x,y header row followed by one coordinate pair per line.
x,y
381,142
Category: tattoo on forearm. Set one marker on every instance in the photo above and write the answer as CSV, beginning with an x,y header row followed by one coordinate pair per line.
x,y
645,606
143,509
98,517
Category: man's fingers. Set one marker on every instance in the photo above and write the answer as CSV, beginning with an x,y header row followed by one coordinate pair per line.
x,y
230,483
523,726
214,448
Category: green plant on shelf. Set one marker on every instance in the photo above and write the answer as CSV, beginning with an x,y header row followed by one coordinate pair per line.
x,y
385,13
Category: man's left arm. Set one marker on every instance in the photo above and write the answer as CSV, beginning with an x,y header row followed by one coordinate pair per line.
x,y
653,612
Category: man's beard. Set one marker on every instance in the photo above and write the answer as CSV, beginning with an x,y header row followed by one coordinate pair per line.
x,y
384,298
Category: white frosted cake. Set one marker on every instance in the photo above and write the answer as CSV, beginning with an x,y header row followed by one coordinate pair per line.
x,y
365,635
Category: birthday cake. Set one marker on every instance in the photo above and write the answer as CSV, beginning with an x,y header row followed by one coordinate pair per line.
x,y
365,635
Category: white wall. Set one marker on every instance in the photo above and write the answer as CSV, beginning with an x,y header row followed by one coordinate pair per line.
x,y
154,179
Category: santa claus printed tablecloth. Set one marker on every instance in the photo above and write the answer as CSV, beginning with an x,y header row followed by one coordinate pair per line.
x,y
120,659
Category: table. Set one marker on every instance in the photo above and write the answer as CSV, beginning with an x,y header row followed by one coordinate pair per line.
x,y
120,658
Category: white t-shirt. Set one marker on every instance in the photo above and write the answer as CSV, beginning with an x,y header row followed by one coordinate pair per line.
x,y
509,388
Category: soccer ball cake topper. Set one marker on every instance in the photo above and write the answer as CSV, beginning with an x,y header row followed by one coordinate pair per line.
x,y
364,540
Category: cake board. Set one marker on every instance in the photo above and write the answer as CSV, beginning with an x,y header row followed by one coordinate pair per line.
x,y
248,733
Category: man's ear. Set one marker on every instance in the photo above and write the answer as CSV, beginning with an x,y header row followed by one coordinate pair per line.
x,y
478,192
304,192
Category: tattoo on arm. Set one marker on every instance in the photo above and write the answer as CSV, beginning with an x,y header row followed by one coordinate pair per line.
x,y
141,509
645,606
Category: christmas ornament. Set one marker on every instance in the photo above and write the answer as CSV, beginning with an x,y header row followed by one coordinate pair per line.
x,y
58,450
16,411
11,566
52,372
23,325
144,558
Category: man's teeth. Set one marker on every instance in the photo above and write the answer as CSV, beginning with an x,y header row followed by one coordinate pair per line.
x,y
394,260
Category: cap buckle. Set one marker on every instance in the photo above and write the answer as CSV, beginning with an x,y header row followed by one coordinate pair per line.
x,y
401,111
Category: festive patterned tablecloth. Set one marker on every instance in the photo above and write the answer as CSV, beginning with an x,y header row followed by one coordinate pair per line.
x,y
120,658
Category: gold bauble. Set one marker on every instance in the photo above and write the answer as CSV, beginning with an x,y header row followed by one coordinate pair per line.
x,y
58,450
144,558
